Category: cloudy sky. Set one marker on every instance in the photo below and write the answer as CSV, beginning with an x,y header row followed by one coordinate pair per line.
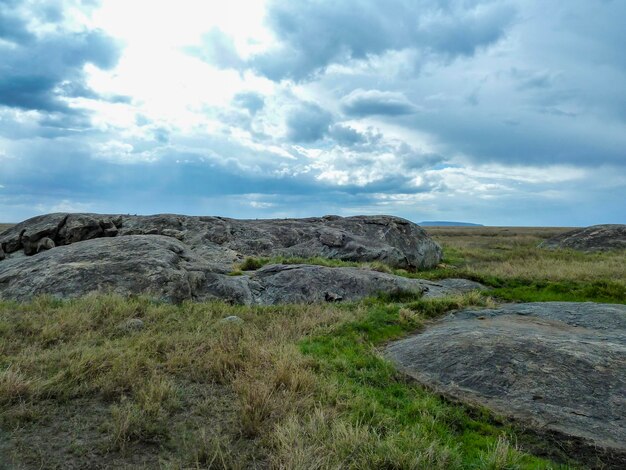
x,y
498,112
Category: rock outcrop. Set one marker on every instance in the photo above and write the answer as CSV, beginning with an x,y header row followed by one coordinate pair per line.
x,y
558,367
391,240
176,257
165,268
594,238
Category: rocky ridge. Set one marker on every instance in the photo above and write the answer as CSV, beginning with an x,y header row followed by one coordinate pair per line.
x,y
176,257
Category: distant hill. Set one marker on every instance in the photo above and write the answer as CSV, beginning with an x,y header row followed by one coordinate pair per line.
x,y
446,223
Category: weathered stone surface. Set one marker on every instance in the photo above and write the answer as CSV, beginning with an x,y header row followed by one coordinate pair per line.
x,y
177,257
299,283
559,367
594,238
154,265
391,240
45,244
167,269
445,287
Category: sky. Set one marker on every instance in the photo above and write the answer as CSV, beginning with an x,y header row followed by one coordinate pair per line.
x,y
488,111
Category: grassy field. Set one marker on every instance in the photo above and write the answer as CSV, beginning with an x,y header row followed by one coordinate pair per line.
x,y
83,384
3,227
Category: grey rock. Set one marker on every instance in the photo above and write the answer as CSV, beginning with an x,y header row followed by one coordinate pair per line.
x,y
177,234
558,367
165,268
132,324
445,287
301,283
594,238
392,240
151,265
232,319
45,244
176,257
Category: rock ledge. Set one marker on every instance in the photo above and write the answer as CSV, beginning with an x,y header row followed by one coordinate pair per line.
x,y
557,367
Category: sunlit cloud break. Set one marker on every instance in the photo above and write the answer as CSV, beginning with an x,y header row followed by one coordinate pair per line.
x,y
489,111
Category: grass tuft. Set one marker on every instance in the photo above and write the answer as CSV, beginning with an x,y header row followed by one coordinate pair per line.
x,y
14,387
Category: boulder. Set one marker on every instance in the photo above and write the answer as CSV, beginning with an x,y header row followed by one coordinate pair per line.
x,y
153,265
299,283
594,238
557,367
45,244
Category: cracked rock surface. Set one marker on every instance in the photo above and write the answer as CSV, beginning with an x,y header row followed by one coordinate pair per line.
x,y
558,367
175,257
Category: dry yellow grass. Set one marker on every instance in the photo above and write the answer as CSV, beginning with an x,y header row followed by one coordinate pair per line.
x,y
53,354
191,391
512,252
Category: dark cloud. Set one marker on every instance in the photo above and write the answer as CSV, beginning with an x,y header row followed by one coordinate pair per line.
x,y
361,103
13,28
307,123
251,101
38,72
345,135
315,34
460,28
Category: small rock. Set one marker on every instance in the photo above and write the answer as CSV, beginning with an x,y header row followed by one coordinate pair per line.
x,y
232,319
177,234
132,324
45,244
332,297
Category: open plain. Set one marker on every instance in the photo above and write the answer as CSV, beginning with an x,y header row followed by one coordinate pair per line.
x,y
105,381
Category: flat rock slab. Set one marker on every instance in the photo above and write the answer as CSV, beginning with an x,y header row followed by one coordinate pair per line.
x,y
559,367
594,238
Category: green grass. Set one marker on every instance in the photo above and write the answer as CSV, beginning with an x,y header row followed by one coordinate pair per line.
x,y
291,387
417,429
295,386
559,291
